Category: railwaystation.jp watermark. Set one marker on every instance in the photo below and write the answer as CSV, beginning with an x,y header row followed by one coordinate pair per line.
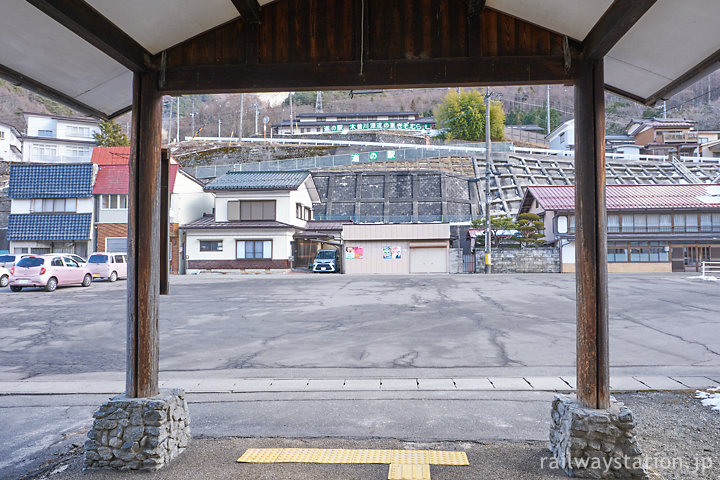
x,y
695,465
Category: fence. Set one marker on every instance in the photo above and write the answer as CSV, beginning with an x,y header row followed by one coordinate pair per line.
x,y
312,163
710,268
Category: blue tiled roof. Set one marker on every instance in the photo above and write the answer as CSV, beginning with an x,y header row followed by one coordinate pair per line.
x,y
70,226
259,181
51,181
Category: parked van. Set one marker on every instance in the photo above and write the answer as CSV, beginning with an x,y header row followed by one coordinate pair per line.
x,y
326,261
108,265
49,271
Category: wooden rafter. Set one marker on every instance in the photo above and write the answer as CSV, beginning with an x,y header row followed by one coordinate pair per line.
x,y
86,22
376,74
612,26
249,10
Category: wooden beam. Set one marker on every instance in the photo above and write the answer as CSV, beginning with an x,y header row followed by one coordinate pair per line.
x,y
376,74
475,27
144,238
165,223
617,20
249,10
706,67
20,80
593,377
86,22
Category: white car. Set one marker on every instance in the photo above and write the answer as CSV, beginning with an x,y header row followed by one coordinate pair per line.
x,y
4,277
108,265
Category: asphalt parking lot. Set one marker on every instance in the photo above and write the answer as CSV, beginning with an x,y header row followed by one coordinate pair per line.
x,y
297,323
375,331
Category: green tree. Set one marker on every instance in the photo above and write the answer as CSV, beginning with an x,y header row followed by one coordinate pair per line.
x,y
498,223
529,227
462,116
111,135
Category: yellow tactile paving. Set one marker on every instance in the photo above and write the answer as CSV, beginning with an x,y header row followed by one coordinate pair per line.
x,y
409,472
439,457
404,464
299,455
336,456
373,456
260,455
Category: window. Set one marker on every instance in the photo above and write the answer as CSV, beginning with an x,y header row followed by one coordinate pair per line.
x,y
69,262
54,205
40,250
114,202
81,152
81,132
562,224
41,152
2,135
638,252
613,222
251,210
56,262
20,251
254,249
119,259
211,245
302,212
627,223
45,133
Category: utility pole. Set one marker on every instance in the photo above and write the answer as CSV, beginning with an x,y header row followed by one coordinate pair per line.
x,y
292,126
192,115
318,102
488,252
664,109
219,124
178,121
257,112
547,107
170,125
242,112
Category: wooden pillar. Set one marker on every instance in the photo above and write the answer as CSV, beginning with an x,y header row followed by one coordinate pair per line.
x,y
165,223
144,238
593,372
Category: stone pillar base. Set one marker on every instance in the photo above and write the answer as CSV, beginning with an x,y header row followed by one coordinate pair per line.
x,y
138,433
589,443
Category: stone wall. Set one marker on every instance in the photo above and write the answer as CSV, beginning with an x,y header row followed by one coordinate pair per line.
x,y
590,443
394,196
523,260
138,433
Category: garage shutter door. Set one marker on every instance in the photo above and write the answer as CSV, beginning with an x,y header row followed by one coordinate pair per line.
x,y
118,244
428,260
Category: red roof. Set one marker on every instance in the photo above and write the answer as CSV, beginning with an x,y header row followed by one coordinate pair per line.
x,y
632,197
115,179
110,155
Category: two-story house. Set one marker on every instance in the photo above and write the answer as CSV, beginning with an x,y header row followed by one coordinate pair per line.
x,y
650,228
563,137
10,143
188,202
256,217
51,209
664,136
58,139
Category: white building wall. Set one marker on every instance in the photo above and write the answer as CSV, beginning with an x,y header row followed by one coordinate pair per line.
x,y
188,201
37,123
281,248
117,215
8,139
285,203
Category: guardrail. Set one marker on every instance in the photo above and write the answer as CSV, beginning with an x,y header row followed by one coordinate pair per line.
x,y
710,268
384,219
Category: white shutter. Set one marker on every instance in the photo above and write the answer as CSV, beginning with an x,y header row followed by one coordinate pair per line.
x,y
267,249
240,249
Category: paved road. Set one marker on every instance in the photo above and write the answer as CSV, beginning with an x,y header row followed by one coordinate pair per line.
x,y
222,333
315,326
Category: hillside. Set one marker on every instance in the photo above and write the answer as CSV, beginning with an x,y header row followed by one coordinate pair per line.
x,y
199,114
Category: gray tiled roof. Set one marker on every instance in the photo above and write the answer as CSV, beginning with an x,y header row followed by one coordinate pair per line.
x,y
258,181
69,180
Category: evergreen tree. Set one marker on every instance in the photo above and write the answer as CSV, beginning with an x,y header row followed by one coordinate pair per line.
x,y
111,135
462,116
529,227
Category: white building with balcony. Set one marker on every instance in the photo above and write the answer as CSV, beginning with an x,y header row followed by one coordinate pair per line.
x,y
58,139
10,143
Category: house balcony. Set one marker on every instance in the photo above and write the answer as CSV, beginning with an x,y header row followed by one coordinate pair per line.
x,y
59,159
685,137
